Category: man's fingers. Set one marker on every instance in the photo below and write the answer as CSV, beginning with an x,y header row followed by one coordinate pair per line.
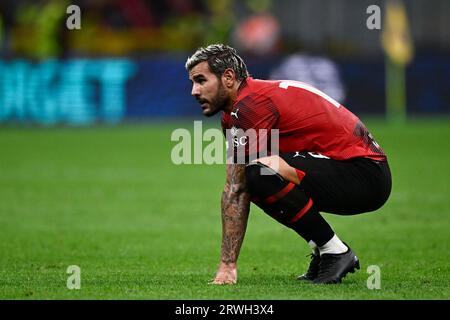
x,y
222,281
225,277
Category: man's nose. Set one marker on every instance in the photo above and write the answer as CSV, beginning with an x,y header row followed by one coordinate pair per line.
x,y
195,90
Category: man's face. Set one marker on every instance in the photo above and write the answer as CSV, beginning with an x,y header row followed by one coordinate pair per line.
x,y
208,89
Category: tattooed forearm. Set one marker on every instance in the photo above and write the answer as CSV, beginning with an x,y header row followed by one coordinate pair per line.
x,y
235,209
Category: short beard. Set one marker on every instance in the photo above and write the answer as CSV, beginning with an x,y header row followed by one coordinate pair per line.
x,y
220,101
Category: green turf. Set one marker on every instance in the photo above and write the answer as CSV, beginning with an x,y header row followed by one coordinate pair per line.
x,y
109,200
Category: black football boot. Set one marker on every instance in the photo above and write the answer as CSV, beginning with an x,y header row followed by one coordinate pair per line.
x,y
334,267
313,269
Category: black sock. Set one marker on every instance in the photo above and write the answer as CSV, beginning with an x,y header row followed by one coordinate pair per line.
x,y
312,226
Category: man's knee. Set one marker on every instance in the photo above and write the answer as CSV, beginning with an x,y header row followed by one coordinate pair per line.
x,y
259,178
277,165
279,198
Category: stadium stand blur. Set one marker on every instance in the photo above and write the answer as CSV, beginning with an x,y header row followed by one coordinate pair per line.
x,y
127,60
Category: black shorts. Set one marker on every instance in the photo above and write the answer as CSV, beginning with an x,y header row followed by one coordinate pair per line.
x,y
342,186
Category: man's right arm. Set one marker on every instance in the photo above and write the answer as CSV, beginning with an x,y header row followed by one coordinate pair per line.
x,y
235,210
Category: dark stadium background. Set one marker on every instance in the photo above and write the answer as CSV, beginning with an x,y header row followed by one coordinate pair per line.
x,y
150,40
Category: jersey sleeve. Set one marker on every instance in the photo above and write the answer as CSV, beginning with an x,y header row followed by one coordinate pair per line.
x,y
251,123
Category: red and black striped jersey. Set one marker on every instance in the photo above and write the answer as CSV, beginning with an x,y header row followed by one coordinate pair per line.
x,y
306,118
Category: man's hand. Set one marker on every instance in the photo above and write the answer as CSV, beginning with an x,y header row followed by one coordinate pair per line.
x,y
226,274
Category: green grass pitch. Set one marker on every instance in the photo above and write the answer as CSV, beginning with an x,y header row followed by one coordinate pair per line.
x,y
109,200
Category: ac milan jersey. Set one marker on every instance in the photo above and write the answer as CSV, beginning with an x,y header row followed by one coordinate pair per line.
x,y
306,118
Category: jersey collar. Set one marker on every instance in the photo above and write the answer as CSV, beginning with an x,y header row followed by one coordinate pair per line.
x,y
242,91
243,87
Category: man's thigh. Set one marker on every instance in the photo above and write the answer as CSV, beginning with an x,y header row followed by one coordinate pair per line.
x,y
342,187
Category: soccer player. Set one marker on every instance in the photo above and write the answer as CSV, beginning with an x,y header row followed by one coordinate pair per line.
x,y
327,161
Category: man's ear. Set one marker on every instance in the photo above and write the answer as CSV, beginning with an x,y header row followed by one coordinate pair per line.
x,y
229,77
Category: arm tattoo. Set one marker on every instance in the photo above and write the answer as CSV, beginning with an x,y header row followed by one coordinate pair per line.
x,y
235,210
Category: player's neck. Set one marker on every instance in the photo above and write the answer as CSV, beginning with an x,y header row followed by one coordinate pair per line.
x,y
233,96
